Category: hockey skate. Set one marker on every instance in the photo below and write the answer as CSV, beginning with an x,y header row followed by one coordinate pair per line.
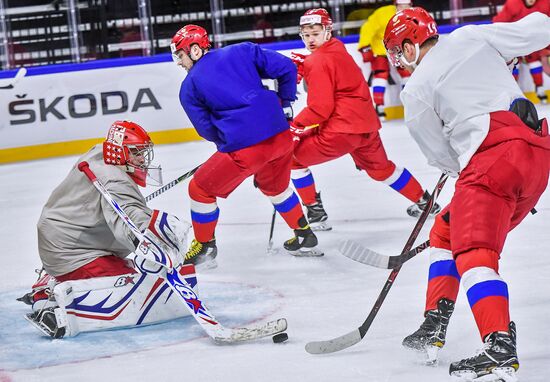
x,y
430,337
496,361
380,112
317,216
416,209
40,290
303,244
45,321
202,255
541,93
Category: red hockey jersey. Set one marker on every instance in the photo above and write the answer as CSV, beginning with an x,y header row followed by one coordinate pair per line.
x,y
514,10
338,98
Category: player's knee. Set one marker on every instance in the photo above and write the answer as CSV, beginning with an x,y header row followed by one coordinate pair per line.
x,y
381,174
440,234
199,194
476,258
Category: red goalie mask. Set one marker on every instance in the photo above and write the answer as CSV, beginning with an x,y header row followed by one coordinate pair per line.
x,y
128,144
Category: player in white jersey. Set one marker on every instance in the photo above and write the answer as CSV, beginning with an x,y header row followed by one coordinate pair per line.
x,y
468,115
83,244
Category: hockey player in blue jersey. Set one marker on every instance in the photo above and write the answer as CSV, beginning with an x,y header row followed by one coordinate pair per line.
x,y
225,99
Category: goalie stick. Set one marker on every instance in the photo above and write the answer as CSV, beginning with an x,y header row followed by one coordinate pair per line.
x,y
194,304
20,74
356,335
168,186
363,255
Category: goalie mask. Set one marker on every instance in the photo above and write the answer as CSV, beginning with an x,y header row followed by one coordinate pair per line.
x,y
413,25
128,145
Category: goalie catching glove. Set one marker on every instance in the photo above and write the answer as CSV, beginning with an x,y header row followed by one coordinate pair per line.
x,y
164,245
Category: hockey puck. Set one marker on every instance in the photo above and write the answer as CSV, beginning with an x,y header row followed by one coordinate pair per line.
x,y
281,337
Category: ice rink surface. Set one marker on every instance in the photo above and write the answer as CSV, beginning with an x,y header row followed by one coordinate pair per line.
x,y
321,297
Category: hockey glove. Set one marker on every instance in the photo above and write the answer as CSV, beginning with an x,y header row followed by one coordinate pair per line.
x,y
289,113
367,54
301,131
298,60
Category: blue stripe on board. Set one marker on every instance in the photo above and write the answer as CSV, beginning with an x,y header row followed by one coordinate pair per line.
x,y
443,268
205,218
89,65
487,289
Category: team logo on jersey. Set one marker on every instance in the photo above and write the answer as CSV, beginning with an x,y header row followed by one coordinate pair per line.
x,y
124,280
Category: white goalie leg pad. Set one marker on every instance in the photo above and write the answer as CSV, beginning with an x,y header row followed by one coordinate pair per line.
x,y
129,300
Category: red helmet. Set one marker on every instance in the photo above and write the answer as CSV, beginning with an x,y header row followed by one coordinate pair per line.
x,y
187,36
128,144
413,24
317,16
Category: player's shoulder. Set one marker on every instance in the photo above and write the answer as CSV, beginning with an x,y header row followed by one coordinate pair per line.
x,y
315,59
381,12
240,47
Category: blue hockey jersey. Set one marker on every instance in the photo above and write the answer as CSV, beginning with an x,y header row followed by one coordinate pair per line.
x,y
224,98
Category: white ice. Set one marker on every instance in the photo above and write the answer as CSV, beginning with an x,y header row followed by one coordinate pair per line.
x,y
321,297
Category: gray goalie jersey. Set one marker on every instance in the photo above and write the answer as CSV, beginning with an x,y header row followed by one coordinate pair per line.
x,y
78,225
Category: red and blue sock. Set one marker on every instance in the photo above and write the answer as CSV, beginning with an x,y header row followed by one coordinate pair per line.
x,y
288,206
303,181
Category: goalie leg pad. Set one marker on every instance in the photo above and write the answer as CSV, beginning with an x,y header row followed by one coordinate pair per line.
x,y
117,302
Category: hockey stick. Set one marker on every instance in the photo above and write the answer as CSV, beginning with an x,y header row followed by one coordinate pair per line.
x,y
363,255
353,337
168,186
181,288
271,229
20,74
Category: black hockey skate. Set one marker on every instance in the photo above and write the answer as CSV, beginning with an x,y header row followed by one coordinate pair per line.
x,y
380,112
541,94
45,321
430,337
416,209
317,216
303,244
202,255
496,361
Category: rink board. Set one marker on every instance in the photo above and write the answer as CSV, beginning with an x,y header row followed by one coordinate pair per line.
x,y
64,109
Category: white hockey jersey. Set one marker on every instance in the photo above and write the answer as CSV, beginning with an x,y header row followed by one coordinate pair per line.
x,y
462,79
77,225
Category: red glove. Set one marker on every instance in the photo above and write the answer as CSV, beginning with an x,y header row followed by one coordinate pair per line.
x,y
301,131
298,60
367,54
